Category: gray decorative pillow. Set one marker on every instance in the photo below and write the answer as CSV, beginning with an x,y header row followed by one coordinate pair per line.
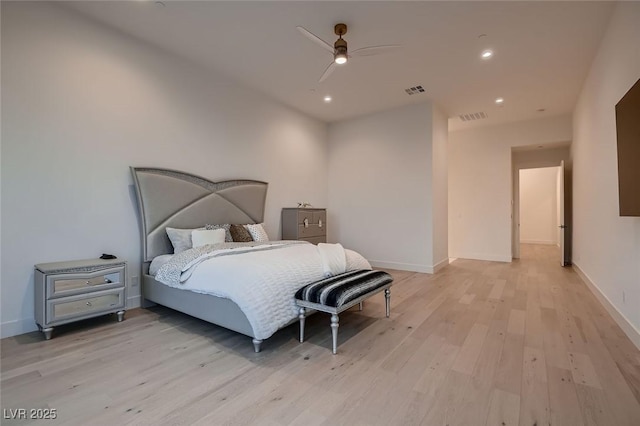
x,y
240,234
227,233
180,239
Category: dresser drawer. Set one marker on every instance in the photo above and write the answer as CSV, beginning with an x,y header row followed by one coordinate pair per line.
x,y
84,305
315,240
314,216
311,231
69,284
320,218
305,214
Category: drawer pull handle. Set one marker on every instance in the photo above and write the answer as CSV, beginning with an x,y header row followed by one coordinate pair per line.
x,y
89,304
88,282
306,223
107,281
320,223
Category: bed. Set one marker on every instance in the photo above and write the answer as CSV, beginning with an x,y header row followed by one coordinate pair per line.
x,y
169,198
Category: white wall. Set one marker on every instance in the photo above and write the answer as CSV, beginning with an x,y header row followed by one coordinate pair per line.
x,y
607,246
81,103
380,186
480,183
539,205
559,207
440,188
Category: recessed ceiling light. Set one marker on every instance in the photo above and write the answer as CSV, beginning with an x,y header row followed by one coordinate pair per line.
x,y
499,101
327,99
486,54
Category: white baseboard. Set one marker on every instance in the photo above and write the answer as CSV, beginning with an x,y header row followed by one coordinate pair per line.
x,y
16,327
546,242
483,256
134,302
27,325
440,265
412,267
629,329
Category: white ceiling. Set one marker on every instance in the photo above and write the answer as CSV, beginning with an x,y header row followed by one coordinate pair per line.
x,y
543,51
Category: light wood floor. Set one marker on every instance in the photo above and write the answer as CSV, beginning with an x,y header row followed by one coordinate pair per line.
x,y
478,343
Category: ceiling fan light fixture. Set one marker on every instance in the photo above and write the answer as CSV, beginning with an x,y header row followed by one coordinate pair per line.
x,y
340,58
340,51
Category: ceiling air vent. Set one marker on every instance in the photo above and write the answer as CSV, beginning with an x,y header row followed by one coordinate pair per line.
x,y
414,90
473,116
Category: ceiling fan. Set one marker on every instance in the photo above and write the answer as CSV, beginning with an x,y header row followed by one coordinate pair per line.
x,y
339,49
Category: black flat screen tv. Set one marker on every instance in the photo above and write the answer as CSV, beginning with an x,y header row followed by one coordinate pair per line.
x,y
628,135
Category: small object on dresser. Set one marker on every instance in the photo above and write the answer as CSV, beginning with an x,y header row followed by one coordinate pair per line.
x,y
304,205
303,223
107,256
71,291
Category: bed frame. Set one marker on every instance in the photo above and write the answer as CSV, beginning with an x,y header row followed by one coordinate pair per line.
x,y
181,200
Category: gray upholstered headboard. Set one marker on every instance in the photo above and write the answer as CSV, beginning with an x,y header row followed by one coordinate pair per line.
x,y
181,200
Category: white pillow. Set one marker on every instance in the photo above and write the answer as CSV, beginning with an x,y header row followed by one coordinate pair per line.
x,y
202,237
226,228
257,232
180,239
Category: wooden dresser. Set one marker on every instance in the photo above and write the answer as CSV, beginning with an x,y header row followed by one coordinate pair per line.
x,y
309,224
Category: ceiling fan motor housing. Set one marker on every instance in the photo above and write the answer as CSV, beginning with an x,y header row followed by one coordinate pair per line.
x,y
340,29
340,45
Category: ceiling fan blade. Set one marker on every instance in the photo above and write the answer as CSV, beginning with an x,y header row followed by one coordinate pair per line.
x,y
375,50
315,39
327,72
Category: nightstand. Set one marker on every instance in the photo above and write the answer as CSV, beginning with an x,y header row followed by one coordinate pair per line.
x,y
307,224
71,291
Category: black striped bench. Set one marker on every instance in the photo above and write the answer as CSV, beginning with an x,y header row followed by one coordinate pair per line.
x,y
340,292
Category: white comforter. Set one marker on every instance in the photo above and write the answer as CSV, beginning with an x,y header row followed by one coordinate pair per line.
x,y
263,283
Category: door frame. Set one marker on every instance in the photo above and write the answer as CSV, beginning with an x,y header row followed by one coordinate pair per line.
x,y
531,158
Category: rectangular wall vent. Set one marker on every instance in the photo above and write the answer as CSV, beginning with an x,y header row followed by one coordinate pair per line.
x,y
414,90
473,116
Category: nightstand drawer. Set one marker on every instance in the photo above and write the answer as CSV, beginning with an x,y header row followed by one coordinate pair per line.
x,y
69,284
86,304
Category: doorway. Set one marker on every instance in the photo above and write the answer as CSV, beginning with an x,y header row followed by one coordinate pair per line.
x,y
540,206
546,181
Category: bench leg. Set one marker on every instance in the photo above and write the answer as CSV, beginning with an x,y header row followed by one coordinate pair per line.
x,y
334,332
361,306
257,345
301,316
387,301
